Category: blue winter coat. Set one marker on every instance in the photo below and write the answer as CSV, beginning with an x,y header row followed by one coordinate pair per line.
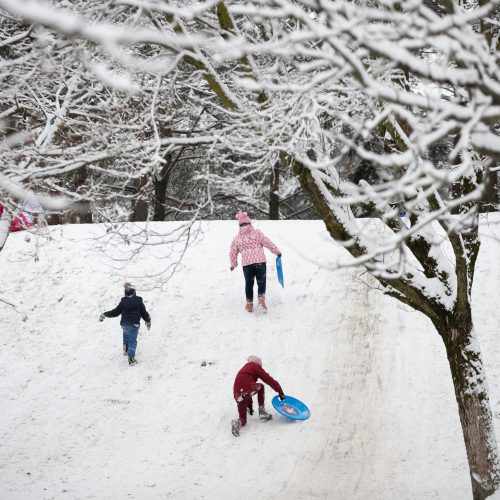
x,y
132,309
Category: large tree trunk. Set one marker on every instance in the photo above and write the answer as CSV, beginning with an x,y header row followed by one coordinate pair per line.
x,y
471,392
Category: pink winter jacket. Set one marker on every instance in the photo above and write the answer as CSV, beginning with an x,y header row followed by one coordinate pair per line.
x,y
250,242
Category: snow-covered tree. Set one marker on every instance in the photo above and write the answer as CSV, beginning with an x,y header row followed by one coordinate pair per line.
x,y
77,125
319,88
397,73
125,142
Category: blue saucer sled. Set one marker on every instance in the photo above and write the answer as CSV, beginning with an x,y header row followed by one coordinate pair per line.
x,y
291,408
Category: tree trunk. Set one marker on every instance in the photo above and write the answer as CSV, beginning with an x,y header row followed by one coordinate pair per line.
x,y
160,193
489,200
471,392
140,208
274,197
84,213
161,180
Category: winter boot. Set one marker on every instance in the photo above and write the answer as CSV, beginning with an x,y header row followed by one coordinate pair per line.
x,y
125,349
132,361
235,427
262,304
249,307
263,415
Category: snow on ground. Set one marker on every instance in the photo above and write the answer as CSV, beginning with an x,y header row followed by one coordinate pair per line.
x,y
79,423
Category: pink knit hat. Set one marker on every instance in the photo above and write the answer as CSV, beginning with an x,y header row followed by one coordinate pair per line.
x,y
255,359
243,218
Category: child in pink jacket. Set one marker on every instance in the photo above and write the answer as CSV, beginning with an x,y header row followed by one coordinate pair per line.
x,y
250,242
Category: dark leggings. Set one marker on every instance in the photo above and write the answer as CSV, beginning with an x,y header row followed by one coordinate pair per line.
x,y
252,272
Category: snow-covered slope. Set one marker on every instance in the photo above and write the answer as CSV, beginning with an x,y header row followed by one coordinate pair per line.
x,y
77,422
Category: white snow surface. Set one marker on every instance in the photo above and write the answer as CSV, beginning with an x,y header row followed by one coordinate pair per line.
x,y
79,423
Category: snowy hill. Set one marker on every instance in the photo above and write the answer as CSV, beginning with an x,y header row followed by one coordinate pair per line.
x,y
78,422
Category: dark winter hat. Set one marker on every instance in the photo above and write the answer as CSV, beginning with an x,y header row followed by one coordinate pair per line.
x,y
129,289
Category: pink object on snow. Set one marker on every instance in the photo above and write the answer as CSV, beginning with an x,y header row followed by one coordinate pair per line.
x,y
20,223
21,220
250,242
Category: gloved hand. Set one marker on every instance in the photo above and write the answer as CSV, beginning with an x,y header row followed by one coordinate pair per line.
x,y
148,325
101,317
281,396
232,268
279,255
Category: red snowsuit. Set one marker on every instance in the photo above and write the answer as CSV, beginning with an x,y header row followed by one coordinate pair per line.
x,y
245,386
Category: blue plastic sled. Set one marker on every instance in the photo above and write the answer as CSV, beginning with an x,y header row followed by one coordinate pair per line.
x,y
291,408
279,270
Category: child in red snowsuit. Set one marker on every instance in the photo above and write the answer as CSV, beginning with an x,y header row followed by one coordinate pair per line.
x,y
246,385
